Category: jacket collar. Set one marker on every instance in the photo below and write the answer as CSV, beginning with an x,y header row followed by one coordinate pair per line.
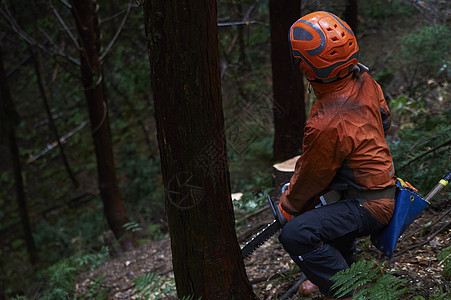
x,y
322,89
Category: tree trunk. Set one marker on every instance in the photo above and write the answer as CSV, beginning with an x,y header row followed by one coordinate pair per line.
x,y
51,123
350,15
288,87
9,120
85,14
183,53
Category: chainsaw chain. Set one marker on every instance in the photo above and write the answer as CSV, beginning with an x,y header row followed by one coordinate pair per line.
x,y
264,235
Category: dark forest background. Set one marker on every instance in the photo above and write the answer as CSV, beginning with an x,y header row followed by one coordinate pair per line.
x,y
405,43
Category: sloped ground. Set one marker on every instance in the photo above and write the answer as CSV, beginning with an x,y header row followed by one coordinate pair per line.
x,y
270,269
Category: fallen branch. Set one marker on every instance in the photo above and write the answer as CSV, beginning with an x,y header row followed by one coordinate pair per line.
x,y
294,288
425,242
270,278
404,238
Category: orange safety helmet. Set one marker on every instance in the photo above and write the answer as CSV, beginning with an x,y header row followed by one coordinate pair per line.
x,y
324,46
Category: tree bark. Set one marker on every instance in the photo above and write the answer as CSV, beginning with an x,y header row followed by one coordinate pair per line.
x,y
183,53
9,120
86,19
350,15
288,87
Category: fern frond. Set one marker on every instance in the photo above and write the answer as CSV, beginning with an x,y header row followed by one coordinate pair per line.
x,y
151,284
191,297
132,226
355,276
445,259
386,287
378,284
148,284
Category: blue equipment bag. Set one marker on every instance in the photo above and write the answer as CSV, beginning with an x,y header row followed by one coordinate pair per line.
x,y
408,205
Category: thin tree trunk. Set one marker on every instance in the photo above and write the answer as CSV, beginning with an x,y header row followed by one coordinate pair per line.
x,y
183,54
243,63
85,14
288,87
9,119
52,125
350,15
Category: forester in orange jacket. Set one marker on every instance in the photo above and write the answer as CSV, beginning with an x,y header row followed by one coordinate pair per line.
x,y
344,150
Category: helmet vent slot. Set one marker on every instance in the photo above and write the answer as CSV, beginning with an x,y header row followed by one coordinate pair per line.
x,y
334,38
342,34
329,29
333,52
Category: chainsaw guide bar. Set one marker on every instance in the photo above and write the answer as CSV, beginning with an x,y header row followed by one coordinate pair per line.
x,y
261,237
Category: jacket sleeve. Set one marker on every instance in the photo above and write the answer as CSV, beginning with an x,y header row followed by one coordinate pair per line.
x,y
323,153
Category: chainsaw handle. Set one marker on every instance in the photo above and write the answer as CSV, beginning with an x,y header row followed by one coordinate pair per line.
x,y
276,212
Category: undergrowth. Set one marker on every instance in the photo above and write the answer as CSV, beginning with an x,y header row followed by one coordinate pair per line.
x,y
383,285
369,280
421,154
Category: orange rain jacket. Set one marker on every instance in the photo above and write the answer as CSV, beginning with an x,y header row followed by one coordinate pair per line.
x,y
344,146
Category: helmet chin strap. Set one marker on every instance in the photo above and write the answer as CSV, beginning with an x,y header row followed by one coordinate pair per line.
x,y
359,69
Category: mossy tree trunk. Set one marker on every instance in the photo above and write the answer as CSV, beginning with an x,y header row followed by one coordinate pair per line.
x,y
86,19
183,53
288,87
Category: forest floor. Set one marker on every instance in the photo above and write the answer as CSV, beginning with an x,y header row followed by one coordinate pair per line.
x,y
271,271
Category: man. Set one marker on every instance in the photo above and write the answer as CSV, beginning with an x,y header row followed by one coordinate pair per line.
x,y
344,153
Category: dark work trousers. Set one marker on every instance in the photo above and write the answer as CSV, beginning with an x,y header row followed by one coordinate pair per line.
x,y
322,241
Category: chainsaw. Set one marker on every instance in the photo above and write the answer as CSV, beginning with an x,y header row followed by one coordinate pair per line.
x,y
385,240
264,235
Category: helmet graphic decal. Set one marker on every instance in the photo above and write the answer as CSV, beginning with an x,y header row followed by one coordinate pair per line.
x,y
300,34
321,34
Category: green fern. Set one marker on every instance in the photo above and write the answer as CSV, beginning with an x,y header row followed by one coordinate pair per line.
x,y
60,280
386,287
190,298
151,284
132,226
91,260
383,286
445,259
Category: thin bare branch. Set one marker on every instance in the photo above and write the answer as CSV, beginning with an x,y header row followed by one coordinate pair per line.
x,y
53,145
29,40
59,52
58,16
236,23
448,142
67,4
108,48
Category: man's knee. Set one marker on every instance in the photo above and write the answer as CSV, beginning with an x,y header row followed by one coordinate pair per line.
x,y
298,239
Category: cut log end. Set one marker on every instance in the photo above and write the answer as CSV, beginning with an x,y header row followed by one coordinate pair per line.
x,y
282,173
